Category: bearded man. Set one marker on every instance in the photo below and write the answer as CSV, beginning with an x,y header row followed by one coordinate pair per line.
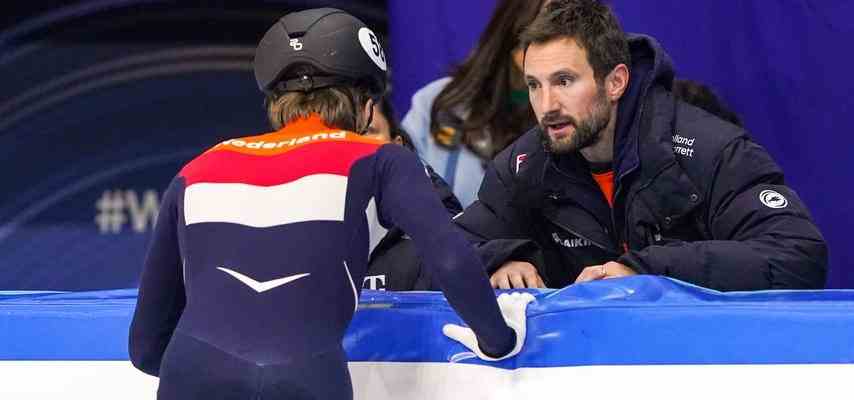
x,y
621,178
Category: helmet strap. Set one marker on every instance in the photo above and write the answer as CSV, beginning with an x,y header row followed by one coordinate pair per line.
x,y
307,83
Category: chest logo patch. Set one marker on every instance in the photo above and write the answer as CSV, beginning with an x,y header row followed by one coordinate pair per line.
x,y
519,160
683,146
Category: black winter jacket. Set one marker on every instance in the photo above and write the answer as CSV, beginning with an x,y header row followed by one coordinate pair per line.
x,y
695,199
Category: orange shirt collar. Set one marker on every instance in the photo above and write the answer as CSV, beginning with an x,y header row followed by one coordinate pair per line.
x,y
605,181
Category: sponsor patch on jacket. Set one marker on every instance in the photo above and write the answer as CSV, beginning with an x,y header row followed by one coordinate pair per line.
x,y
570,243
683,146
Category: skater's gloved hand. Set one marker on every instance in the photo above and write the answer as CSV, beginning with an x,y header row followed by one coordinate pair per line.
x,y
512,308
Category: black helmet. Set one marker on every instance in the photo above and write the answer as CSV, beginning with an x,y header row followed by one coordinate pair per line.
x,y
317,48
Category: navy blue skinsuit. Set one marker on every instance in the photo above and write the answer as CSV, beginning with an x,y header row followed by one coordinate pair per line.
x,y
250,280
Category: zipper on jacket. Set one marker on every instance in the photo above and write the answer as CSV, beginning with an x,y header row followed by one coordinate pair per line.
x,y
643,187
619,189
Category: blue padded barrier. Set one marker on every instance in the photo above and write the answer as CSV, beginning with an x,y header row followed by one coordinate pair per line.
x,y
637,320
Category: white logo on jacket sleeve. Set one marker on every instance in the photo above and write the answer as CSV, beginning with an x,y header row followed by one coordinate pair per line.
x,y
773,199
262,286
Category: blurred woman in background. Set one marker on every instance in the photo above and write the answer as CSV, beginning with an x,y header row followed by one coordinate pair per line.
x,y
458,123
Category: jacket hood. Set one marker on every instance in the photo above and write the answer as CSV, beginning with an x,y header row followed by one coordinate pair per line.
x,y
650,66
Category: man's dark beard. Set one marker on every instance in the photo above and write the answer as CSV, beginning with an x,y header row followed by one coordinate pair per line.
x,y
587,132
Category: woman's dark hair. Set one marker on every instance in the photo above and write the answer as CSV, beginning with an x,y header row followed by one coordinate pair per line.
x,y
394,127
701,96
476,104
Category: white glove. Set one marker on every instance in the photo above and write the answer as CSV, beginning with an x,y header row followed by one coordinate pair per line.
x,y
512,308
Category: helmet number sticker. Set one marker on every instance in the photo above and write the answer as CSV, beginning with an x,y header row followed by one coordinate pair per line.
x,y
295,43
372,47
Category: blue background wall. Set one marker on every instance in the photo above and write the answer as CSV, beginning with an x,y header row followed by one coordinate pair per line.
x,y
102,101
782,65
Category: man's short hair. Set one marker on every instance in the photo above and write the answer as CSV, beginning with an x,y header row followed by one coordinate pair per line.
x,y
591,24
338,107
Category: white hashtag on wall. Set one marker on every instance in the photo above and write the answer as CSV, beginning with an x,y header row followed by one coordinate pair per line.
x,y
115,206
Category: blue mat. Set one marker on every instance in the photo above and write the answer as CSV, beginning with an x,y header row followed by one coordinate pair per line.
x,y
632,321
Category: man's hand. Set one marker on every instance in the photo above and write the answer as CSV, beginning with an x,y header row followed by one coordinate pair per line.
x,y
512,308
611,269
516,275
